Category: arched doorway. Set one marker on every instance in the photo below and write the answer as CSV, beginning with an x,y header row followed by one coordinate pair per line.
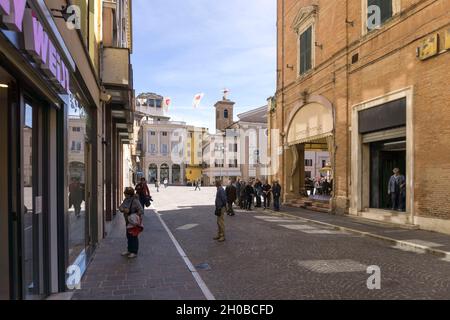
x,y
176,174
309,161
164,172
152,173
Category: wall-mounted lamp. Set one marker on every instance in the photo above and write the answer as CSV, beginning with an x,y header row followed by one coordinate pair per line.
x,y
4,85
290,67
319,45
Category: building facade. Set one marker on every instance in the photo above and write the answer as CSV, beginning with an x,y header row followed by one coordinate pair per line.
x,y
365,85
52,140
165,149
196,138
238,149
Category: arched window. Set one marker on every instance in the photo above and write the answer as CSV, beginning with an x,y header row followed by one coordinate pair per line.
x,y
164,172
152,173
225,114
176,174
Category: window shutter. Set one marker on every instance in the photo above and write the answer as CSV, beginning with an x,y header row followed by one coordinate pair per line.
x,y
306,50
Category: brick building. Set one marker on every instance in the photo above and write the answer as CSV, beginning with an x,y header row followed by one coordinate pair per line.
x,y
373,88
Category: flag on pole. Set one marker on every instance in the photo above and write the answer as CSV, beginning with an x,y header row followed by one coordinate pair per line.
x,y
225,93
167,103
197,99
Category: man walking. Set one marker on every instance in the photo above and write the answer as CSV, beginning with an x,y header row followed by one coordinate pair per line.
x,y
143,192
276,191
221,205
231,193
397,190
198,185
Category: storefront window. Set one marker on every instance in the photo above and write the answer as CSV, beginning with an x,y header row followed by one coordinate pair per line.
x,y
78,178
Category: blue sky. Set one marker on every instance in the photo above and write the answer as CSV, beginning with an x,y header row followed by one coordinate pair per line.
x,y
185,47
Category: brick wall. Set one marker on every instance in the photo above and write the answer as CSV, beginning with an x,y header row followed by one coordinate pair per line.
x,y
387,62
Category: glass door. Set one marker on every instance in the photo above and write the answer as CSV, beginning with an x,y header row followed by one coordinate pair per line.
x,y
32,230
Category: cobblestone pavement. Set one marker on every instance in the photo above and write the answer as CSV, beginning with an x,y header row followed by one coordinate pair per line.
x,y
268,257
159,272
265,257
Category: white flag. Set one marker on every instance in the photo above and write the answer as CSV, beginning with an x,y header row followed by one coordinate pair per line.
x,y
167,103
197,99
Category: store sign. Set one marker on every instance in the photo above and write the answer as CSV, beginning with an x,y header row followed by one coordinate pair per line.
x,y
37,42
429,47
12,11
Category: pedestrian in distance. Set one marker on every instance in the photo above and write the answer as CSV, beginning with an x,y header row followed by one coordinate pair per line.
x,y
238,191
249,194
258,193
276,191
132,212
267,194
198,185
231,193
397,190
220,210
166,183
242,200
157,185
144,193
76,196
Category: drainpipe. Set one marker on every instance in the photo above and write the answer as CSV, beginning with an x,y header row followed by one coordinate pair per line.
x,y
283,156
347,171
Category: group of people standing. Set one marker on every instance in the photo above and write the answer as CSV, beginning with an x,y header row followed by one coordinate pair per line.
x,y
246,195
319,186
252,194
258,194
165,183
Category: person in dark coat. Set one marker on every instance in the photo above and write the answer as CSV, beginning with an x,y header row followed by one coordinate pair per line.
x,y
238,191
243,200
221,208
231,193
143,192
267,194
276,191
76,196
258,193
249,194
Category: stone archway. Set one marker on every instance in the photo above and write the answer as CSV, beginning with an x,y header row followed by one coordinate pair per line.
x,y
309,130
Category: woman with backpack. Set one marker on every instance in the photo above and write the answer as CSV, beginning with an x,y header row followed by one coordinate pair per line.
x,y
133,213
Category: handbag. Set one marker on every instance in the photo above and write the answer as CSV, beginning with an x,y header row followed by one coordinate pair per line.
x,y
148,201
218,212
